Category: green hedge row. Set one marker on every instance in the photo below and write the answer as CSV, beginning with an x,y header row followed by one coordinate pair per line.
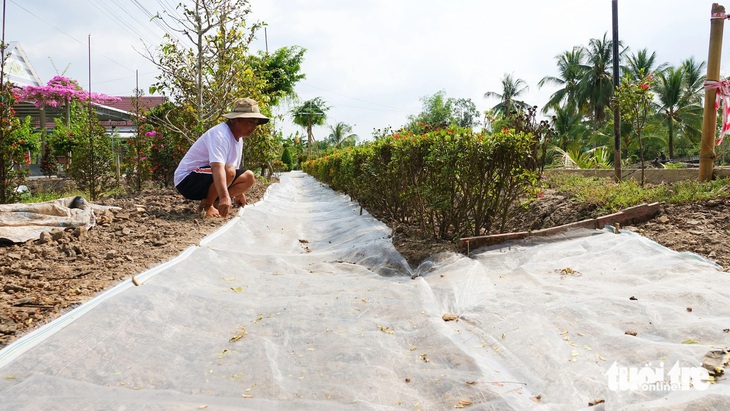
x,y
453,182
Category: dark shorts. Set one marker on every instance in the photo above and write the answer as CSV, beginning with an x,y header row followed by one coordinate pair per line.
x,y
195,186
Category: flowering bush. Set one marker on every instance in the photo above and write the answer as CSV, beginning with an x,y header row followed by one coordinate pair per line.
x,y
58,91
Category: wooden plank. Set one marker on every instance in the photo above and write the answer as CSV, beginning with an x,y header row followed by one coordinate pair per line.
x,y
631,215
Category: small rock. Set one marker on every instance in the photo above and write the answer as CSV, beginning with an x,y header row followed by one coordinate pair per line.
x,y
80,233
45,238
111,254
122,215
11,288
662,219
57,234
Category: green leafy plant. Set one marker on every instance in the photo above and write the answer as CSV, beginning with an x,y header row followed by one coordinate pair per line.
x,y
93,165
12,159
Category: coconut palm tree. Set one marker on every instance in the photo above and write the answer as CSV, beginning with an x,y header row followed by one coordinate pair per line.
x,y
694,80
511,89
596,84
570,69
569,126
341,135
310,113
643,63
677,106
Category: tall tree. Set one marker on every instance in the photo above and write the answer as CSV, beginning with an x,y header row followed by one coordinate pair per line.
x,y
439,111
310,113
206,77
341,135
596,85
677,106
643,62
280,71
694,80
570,71
464,113
569,127
511,89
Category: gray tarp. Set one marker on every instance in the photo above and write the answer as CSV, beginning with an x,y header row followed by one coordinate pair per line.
x,y
303,303
23,222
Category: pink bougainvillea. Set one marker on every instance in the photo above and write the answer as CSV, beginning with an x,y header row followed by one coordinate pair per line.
x,y
58,91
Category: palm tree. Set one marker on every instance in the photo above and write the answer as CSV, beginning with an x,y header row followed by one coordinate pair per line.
x,y
569,127
511,89
310,113
694,80
677,106
642,63
596,85
341,135
570,71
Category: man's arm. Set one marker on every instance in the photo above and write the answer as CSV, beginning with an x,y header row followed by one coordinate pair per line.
x,y
218,170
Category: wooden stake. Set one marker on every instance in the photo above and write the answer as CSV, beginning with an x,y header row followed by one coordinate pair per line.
x,y
709,124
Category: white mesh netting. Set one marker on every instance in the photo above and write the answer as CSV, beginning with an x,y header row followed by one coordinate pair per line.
x,y
303,303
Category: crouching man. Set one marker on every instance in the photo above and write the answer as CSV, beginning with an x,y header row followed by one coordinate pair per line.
x,y
209,170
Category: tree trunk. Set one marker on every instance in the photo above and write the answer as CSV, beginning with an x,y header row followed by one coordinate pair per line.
x,y
671,134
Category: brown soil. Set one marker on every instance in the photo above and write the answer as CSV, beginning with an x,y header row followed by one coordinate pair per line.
x,y
41,281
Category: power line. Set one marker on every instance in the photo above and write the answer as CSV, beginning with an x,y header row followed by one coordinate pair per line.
x,y
67,35
134,20
104,9
355,98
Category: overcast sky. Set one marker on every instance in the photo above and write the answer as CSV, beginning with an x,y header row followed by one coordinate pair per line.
x,y
371,60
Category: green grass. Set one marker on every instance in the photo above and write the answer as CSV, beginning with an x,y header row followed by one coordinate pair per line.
x,y
40,197
609,196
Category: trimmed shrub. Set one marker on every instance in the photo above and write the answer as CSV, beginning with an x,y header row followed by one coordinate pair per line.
x,y
453,182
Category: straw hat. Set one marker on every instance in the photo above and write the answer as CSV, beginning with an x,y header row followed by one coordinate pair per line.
x,y
247,108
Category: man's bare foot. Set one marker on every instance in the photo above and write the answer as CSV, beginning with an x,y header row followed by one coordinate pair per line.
x,y
212,212
240,200
208,210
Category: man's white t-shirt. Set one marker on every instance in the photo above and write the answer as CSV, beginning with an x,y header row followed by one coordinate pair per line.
x,y
217,145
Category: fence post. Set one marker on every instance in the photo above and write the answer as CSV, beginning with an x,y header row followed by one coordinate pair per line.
x,y
709,124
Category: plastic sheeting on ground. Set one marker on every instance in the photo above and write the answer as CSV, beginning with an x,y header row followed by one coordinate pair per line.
x,y
303,303
23,222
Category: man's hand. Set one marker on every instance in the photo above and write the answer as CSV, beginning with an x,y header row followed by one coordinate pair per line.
x,y
240,200
224,206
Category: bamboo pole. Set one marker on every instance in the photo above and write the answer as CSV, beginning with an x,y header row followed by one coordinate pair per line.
x,y
709,124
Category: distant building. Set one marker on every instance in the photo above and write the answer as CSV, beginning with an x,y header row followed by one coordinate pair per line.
x,y
18,68
126,127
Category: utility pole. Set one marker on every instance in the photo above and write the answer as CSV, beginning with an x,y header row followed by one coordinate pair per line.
x,y
709,124
616,110
3,175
